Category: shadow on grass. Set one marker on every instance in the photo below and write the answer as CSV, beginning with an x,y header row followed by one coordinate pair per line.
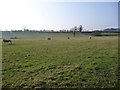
x,y
11,43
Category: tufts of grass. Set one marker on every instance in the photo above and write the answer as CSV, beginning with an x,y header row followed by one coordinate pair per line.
x,y
60,63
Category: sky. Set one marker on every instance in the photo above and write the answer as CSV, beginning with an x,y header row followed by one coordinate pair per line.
x,y
34,14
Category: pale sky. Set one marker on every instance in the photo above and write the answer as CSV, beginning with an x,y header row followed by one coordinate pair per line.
x,y
34,14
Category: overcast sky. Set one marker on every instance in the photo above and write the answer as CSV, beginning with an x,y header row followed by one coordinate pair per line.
x,y
15,14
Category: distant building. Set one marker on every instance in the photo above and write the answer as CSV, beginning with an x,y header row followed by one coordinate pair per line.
x,y
112,30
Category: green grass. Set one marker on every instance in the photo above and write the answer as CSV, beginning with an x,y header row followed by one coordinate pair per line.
x,y
60,63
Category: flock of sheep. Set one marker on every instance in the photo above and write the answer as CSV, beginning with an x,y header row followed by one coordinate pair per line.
x,y
10,41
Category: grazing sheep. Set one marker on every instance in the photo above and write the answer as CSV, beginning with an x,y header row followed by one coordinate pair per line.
x,y
68,38
5,40
49,38
90,37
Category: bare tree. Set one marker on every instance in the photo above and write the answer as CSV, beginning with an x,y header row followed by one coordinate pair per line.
x,y
25,28
74,30
80,28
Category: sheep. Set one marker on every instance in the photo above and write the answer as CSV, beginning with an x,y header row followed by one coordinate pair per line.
x,y
5,40
68,38
90,37
49,38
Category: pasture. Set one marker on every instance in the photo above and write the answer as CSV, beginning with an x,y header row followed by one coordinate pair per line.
x,y
78,62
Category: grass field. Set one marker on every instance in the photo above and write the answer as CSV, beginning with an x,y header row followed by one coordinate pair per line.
x,y
79,62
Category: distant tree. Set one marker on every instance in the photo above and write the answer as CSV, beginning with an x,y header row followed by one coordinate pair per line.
x,y
24,28
52,30
74,30
80,28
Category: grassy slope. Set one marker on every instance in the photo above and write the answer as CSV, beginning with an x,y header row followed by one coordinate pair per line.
x,y
78,62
